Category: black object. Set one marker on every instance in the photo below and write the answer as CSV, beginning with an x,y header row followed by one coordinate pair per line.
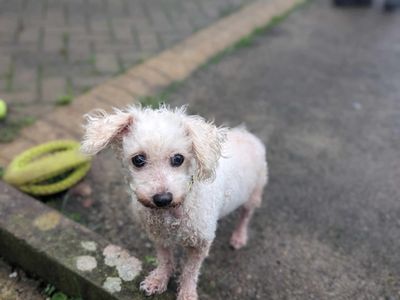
x,y
352,2
163,199
391,5
177,160
139,160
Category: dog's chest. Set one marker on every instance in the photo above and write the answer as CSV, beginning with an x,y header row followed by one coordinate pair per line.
x,y
172,227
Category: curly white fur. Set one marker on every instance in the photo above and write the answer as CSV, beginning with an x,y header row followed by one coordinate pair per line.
x,y
222,170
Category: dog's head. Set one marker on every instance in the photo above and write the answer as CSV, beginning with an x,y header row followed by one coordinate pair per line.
x,y
164,150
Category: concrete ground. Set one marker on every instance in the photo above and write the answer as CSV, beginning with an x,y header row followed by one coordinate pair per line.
x,y
322,91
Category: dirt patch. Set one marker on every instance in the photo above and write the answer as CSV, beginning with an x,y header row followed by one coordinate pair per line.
x,y
15,285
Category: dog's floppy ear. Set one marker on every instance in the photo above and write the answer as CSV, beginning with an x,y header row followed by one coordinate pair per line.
x,y
102,129
207,141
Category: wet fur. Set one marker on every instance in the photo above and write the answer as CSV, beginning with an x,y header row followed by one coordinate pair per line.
x,y
223,170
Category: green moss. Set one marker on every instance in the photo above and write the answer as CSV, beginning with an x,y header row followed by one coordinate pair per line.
x,y
155,101
92,61
64,100
151,101
142,59
49,290
75,217
9,77
151,260
59,296
121,66
65,45
51,293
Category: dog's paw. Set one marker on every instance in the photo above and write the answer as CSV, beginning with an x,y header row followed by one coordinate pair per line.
x,y
155,283
238,239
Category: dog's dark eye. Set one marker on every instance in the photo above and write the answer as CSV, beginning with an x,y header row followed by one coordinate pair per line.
x,y
139,160
177,160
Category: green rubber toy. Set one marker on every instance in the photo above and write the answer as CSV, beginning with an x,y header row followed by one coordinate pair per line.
x,y
48,169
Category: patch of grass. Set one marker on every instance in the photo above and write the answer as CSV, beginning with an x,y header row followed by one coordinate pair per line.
x,y
65,45
166,93
49,290
151,260
249,39
142,59
64,99
151,101
170,89
59,296
9,130
155,101
121,66
2,170
9,77
244,42
75,217
51,293
92,60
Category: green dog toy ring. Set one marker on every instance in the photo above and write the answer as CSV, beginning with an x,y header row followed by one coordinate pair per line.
x,y
48,169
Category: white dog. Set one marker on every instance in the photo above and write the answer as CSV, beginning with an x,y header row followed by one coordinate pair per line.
x,y
185,174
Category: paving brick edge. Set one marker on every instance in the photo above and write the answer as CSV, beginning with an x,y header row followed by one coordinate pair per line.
x,y
171,65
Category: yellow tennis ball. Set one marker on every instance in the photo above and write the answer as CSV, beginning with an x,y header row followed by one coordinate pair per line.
x,y
3,109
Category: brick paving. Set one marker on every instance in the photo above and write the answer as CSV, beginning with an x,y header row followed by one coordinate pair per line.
x,y
49,49
173,64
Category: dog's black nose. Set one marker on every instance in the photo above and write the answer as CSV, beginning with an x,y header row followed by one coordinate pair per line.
x,y
162,199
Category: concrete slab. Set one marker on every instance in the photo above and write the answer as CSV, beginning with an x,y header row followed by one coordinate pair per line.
x,y
77,261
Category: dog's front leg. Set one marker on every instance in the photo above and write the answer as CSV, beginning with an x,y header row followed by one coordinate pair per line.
x,y
190,273
156,282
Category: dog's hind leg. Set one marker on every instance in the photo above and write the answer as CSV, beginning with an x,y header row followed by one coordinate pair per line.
x,y
156,282
240,234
